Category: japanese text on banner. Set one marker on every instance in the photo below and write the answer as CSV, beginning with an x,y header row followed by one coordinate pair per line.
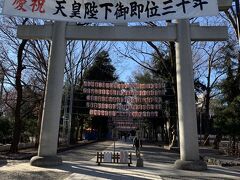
x,y
110,10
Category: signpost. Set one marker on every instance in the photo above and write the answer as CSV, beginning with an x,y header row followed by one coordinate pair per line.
x,y
181,32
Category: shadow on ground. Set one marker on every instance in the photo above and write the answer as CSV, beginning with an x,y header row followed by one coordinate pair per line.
x,y
91,171
84,153
156,154
85,170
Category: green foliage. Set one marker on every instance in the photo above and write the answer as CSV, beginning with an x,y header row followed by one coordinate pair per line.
x,y
29,129
227,119
102,69
5,130
144,77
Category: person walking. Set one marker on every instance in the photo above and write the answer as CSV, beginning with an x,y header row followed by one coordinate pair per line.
x,y
134,141
137,145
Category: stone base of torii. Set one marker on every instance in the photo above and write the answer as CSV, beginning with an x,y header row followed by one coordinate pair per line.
x,y
181,32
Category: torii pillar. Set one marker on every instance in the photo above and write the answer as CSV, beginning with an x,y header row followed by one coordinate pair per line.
x,y
47,151
189,150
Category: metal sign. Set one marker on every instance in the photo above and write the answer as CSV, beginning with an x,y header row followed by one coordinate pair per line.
x,y
115,11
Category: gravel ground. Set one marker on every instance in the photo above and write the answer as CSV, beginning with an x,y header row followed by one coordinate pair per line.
x,y
17,170
42,175
21,169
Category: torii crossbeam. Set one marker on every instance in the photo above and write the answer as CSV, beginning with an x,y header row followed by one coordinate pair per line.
x,y
123,33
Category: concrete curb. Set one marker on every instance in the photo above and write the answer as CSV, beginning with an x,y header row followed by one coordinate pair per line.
x,y
223,163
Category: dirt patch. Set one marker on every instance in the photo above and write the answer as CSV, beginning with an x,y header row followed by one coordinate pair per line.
x,y
42,175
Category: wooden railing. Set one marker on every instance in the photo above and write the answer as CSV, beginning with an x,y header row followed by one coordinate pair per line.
x,y
115,158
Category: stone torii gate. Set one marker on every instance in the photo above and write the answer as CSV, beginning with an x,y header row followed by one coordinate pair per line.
x,y
181,32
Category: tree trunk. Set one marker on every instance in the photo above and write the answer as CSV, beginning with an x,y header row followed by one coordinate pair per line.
x,y
217,141
207,105
18,121
233,145
166,136
81,129
77,131
156,135
73,131
39,122
174,106
162,133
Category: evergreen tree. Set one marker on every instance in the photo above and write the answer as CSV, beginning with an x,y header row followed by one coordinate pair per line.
x,y
5,130
101,70
227,119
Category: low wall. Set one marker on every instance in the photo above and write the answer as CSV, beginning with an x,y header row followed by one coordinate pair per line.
x,y
6,147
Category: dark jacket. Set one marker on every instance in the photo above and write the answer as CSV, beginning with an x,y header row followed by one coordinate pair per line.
x,y
136,142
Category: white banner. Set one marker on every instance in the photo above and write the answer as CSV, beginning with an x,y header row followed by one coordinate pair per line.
x,y
115,11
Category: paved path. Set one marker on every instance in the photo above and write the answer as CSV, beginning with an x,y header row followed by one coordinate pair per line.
x,y
80,163
158,164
